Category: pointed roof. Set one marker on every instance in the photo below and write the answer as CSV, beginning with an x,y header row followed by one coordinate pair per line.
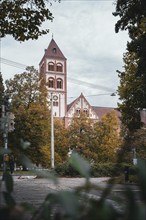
x,y
54,51
74,102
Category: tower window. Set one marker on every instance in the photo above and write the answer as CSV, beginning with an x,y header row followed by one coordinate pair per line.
x,y
54,50
59,83
51,66
59,67
55,103
50,83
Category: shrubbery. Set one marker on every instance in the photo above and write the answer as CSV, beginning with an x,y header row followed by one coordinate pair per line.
x,y
97,170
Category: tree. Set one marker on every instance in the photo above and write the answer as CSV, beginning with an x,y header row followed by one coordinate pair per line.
x,y
133,18
81,134
24,88
95,141
32,117
108,138
1,90
32,125
1,102
140,143
23,18
61,142
130,93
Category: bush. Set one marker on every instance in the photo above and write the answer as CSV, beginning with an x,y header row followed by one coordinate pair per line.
x,y
104,169
66,170
97,170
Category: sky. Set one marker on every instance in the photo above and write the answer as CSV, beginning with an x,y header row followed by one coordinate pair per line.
x,y
84,30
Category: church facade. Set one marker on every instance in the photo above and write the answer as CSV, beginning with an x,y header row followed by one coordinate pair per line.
x,y
53,68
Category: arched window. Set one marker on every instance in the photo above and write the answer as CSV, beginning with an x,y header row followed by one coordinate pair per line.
x,y
78,112
59,67
86,112
51,66
50,82
59,83
55,103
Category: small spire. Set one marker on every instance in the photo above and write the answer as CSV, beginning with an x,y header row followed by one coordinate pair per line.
x,y
52,36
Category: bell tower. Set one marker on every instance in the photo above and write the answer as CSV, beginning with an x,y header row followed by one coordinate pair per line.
x,y
53,69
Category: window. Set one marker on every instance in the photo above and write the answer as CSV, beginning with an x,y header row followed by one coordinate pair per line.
x,y
78,111
59,67
55,103
86,112
59,83
50,83
51,66
54,50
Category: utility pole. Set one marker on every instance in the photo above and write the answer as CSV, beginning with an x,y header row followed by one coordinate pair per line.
x,y
5,136
6,125
52,133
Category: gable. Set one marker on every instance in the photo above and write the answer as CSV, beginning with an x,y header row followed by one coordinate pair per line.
x,y
54,51
81,105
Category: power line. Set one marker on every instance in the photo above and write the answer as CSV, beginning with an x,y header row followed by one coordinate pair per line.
x,y
75,81
105,94
87,0
93,86
13,63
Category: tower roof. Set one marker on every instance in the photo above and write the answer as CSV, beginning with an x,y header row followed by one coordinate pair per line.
x,y
54,51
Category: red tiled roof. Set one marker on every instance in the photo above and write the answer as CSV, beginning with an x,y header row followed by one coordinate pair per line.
x,y
53,51
100,111
55,54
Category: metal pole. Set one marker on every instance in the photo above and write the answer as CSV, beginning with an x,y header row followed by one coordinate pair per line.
x,y
5,136
52,133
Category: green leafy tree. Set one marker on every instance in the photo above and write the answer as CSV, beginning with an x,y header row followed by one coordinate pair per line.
x,y
140,143
60,141
23,19
32,117
1,90
60,145
81,135
130,94
132,17
107,137
31,125
24,88
1,102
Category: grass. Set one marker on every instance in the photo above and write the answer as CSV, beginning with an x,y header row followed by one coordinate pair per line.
x,y
20,172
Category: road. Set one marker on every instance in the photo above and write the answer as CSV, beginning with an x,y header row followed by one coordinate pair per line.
x,y
34,190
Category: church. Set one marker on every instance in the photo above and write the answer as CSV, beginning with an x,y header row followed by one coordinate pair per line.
x,y
53,69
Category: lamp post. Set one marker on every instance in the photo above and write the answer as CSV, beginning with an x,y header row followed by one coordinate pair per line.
x,y
5,128
52,133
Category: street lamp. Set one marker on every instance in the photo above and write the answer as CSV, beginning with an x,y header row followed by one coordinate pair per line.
x,y
5,120
52,133
7,125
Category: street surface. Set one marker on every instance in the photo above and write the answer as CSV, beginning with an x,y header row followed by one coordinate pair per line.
x,y
34,190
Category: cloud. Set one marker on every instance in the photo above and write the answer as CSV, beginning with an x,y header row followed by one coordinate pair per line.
x,y
84,31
